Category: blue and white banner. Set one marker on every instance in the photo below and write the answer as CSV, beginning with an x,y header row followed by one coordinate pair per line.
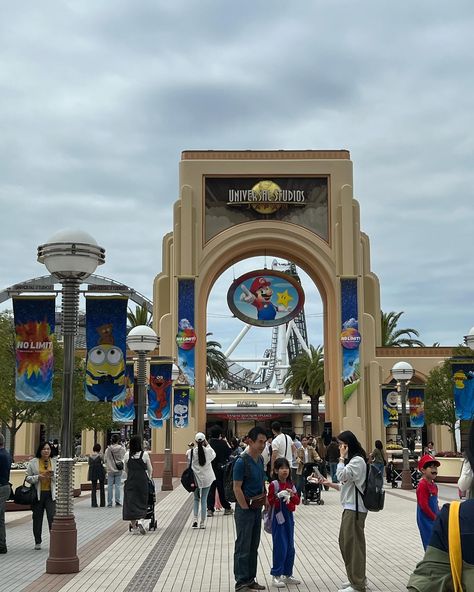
x,y
350,337
186,336
124,411
106,331
34,328
463,378
159,393
181,407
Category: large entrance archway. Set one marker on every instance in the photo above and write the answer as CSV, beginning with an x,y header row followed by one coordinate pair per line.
x,y
295,205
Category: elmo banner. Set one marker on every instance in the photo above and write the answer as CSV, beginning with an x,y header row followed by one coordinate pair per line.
x,y
34,328
159,393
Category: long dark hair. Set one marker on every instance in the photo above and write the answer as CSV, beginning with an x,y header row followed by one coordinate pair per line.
x,y
40,448
135,445
354,447
201,454
378,444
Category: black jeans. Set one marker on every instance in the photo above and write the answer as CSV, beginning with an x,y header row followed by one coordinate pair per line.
x,y
94,493
39,506
248,525
219,484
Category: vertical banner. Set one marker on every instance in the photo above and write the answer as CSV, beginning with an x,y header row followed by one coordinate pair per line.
x,y
181,407
416,401
390,405
34,328
350,337
124,411
463,378
159,393
106,330
186,337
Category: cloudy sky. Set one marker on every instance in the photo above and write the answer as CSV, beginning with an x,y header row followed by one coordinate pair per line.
x,y
98,99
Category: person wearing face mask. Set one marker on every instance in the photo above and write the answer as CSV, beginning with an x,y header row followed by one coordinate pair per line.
x,y
427,497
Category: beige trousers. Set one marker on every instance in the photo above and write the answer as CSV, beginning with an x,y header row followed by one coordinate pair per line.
x,y
352,545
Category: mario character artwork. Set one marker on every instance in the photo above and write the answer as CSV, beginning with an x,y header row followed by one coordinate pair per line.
x,y
260,296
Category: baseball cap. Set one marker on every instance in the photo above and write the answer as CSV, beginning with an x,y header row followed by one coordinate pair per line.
x,y
199,437
426,459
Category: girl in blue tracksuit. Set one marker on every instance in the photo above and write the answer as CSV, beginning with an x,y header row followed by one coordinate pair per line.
x,y
283,499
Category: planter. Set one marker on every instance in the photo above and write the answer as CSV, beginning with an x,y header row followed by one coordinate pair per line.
x,y
449,469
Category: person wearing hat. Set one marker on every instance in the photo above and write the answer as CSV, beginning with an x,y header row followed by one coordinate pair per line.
x,y
201,457
427,497
260,296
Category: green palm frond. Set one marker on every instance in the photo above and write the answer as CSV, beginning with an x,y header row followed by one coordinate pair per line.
x,y
393,337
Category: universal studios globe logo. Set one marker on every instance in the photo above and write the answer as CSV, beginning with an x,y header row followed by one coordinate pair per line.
x,y
350,338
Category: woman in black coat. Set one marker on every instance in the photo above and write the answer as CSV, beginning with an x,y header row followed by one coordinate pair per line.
x,y
138,468
97,474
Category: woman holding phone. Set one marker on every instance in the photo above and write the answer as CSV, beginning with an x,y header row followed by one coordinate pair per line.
x,y
41,472
351,474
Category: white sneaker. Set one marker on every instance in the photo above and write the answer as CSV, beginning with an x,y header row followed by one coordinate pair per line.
x,y
141,529
290,580
278,582
349,588
38,547
202,525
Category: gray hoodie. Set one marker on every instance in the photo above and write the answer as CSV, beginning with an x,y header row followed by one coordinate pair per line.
x,y
116,451
351,476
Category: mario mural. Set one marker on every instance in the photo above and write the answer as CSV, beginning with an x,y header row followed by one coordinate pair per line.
x,y
265,298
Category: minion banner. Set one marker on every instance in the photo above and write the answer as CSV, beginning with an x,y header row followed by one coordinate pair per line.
x,y
124,411
186,337
181,407
463,378
416,401
34,327
350,337
159,393
106,329
390,405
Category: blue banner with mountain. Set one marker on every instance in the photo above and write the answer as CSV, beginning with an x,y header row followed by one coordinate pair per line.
x,y
186,335
350,337
463,384
106,331
34,328
159,393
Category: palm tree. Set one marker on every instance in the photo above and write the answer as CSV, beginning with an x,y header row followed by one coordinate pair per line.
x,y
393,337
217,369
306,375
141,316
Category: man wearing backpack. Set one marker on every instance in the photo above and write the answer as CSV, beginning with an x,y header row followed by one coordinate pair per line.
x,y
249,491
352,474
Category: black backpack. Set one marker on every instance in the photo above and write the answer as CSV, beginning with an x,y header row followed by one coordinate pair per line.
x,y
188,480
229,476
373,495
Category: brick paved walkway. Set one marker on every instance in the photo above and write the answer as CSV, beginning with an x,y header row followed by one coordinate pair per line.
x,y
177,558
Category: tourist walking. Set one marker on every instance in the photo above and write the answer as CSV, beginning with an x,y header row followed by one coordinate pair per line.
x,y
305,454
41,473
223,451
249,490
5,465
378,456
351,474
282,445
138,469
283,499
201,457
114,456
96,475
332,458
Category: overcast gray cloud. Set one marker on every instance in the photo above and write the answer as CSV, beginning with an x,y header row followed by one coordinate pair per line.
x,y
97,100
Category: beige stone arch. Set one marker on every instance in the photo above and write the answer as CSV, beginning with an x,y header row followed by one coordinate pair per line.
x,y
188,253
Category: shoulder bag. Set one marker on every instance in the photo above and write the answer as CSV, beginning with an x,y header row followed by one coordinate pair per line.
x,y
188,480
118,465
25,494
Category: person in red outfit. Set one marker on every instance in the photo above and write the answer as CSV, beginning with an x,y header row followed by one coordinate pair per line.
x,y
427,497
283,499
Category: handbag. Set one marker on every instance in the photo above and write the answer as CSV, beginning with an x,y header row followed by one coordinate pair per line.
x,y
188,479
118,465
268,514
25,495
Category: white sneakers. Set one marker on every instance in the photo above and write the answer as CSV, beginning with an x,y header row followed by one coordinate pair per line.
x,y
347,587
283,581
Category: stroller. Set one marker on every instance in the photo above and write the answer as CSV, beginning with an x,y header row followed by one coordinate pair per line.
x,y
150,510
311,491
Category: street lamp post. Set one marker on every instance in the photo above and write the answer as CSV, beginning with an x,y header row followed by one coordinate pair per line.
x,y
142,340
403,372
469,338
167,479
71,256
